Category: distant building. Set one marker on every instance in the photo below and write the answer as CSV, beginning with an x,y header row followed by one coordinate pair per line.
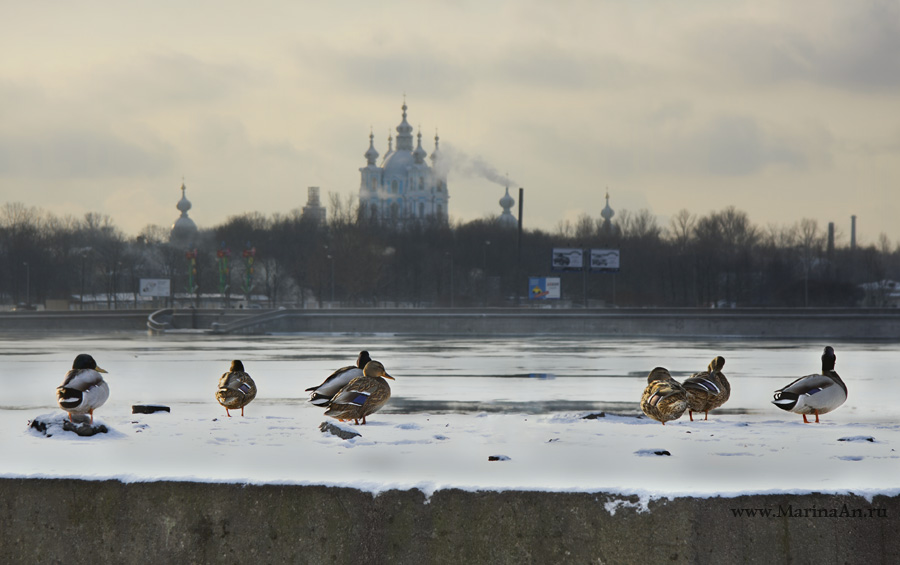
x,y
404,187
607,213
314,211
184,230
506,218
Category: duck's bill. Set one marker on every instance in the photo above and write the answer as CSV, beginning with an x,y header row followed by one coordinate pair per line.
x,y
99,370
387,376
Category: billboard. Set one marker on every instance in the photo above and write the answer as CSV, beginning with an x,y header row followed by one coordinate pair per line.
x,y
567,259
154,287
543,288
604,261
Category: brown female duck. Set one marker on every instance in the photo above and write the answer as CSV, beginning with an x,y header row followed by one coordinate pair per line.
x,y
236,389
707,390
362,396
664,399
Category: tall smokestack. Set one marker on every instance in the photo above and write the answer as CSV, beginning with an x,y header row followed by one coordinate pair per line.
x,y
830,240
519,244
852,233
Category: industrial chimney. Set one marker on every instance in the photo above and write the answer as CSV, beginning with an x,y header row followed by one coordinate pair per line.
x,y
852,233
830,240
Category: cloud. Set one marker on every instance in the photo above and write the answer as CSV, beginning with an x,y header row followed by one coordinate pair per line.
x,y
80,153
854,47
385,69
553,66
737,146
166,80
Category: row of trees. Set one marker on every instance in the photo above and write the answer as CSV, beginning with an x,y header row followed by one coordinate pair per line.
x,y
720,258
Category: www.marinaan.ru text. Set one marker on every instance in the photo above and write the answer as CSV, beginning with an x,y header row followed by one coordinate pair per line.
x,y
814,512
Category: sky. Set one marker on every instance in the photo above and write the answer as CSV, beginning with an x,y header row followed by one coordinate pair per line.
x,y
785,110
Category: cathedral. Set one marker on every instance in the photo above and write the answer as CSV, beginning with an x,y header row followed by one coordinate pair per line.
x,y
404,188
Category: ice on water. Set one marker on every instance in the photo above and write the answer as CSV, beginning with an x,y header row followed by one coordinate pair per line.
x,y
456,402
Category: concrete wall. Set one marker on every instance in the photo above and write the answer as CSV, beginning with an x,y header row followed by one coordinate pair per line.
x,y
687,322
71,521
774,323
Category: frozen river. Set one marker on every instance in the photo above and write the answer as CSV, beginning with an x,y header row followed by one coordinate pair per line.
x,y
448,374
457,402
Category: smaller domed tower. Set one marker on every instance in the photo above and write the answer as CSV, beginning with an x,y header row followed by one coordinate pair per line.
x,y
607,213
507,220
184,230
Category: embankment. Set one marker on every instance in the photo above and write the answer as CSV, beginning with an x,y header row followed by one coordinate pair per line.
x,y
819,323
74,521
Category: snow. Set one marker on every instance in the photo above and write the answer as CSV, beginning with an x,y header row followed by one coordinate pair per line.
x,y
456,403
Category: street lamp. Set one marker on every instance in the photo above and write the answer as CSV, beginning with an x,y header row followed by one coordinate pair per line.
x,y
451,277
330,258
27,284
484,249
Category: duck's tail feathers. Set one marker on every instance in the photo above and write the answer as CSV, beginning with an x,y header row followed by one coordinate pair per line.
x,y
319,399
785,400
69,397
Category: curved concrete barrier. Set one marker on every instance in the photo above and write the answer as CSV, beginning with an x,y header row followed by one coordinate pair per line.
x,y
161,320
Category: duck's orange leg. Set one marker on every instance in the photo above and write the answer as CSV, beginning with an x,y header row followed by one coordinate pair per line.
x,y
691,414
805,421
242,411
92,417
817,416
227,413
706,415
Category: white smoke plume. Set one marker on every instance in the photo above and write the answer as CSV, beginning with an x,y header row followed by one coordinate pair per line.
x,y
453,160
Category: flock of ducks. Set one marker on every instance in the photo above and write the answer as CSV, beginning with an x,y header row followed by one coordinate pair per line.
x,y
357,391
665,399
350,393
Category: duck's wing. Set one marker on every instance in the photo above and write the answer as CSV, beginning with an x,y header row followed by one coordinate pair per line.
x,y
359,390
661,390
81,379
236,386
82,389
810,384
321,395
703,382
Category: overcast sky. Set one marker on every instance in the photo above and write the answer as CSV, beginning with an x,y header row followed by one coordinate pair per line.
x,y
783,109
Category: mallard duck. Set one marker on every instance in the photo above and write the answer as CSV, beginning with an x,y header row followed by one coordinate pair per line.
x,y
362,396
236,389
664,399
707,390
321,395
83,390
814,394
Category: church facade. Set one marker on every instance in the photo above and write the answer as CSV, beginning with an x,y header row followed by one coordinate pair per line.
x,y
403,188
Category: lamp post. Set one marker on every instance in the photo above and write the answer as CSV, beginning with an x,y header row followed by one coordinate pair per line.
x,y
27,284
451,277
81,296
330,258
484,249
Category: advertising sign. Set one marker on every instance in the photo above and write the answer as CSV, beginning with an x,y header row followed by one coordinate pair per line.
x,y
604,261
567,260
154,287
543,288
